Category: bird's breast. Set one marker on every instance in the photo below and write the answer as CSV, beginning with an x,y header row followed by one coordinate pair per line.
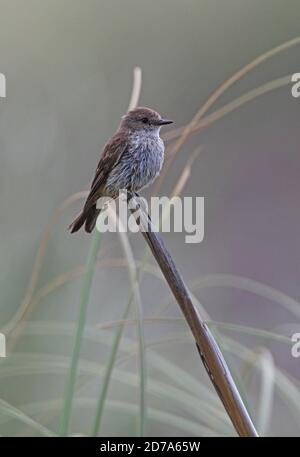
x,y
147,160
139,165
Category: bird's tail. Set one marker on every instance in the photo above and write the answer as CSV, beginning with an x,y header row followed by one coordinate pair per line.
x,y
91,219
88,218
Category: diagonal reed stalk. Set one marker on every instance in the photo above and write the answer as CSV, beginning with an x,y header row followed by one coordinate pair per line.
x,y
209,351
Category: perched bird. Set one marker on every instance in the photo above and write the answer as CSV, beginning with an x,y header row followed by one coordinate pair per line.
x,y
131,160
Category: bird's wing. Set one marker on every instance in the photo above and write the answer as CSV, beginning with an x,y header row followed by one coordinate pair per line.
x,y
111,155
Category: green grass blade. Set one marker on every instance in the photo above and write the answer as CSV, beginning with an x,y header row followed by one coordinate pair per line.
x,y
83,304
108,371
15,413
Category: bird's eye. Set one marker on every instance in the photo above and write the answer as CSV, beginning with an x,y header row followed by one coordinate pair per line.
x,y
144,120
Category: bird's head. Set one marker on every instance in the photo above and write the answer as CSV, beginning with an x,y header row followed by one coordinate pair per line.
x,y
143,119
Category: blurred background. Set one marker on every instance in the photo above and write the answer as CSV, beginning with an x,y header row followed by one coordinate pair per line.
x,y
69,70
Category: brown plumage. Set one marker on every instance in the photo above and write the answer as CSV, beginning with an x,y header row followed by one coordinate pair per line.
x,y
131,159
111,153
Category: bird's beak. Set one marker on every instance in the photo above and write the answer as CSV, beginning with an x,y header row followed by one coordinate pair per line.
x,y
164,122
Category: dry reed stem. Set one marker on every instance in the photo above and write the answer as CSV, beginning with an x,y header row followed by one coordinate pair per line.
x,y
209,351
188,130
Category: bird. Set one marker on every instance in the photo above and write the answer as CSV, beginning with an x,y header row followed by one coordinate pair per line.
x,y
130,161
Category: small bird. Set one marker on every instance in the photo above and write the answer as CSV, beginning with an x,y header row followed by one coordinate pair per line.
x,y
131,160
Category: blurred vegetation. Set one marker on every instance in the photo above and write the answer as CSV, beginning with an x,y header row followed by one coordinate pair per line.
x,y
127,364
